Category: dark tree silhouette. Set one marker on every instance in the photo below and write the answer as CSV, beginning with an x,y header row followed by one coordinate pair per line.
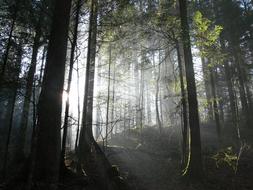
x,y
194,169
48,147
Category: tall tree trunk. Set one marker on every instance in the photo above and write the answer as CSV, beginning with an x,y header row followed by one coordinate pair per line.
x,y
243,98
11,107
6,148
28,93
86,136
48,147
215,104
78,109
159,123
124,117
246,84
42,65
141,103
8,46
220,93
33,140
249,96
72,57
91,157
148,104
206,76
231,94
184,107
161,103
230,91
98,109
194,168
137,91
113,95
108,96
161,89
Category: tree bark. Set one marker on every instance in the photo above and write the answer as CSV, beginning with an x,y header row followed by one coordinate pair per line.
x,y
214,104
108,96
206,76
71,64
91,157
11,109
48,147
231,93
42,65
8,46
159,123
243,98
6,148
136,90
194,169
78,109
28,93
148,104
184,107
86,136
98,109
220,93
113,96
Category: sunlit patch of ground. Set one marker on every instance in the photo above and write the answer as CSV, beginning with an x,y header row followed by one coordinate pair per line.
x,y
154,163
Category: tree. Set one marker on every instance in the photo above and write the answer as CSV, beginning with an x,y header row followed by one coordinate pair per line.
x,y
72,57
28,91
86,136
184,105
108,95
231,18
210,52
194,168
48,147
91,157
11,106
156,96
15,8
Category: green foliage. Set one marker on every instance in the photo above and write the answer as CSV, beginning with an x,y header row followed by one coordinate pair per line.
x,y
206,35
226,157
207,39
166,23
201,23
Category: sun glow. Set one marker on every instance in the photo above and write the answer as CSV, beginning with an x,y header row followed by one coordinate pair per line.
x,y
73,98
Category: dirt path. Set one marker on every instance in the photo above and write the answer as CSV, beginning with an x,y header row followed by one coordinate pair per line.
x,y
144,170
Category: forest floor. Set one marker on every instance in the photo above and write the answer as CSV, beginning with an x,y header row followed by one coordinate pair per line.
x,y
152,162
